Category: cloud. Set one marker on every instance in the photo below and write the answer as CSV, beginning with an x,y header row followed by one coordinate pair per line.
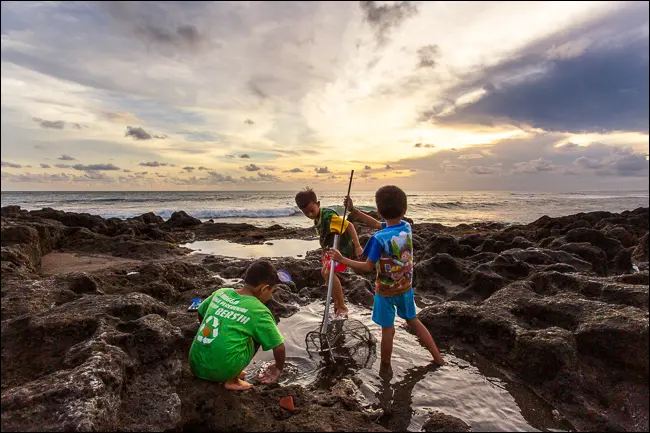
x,y
155,164
252,167
56,124
245,156
138,133
46,166
384,18
188,168
95,167
482,170
294,170
619,162
126,170
427,56
388,167
10,164
62,165
204,168
471,156
118,116
367,167
322,170
600,86
427,146
538,165
66,158
249,122
91,177
269,177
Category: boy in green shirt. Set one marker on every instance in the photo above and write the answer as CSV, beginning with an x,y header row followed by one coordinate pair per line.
x,y
234,324
328,223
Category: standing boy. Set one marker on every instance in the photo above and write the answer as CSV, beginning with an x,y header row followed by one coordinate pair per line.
x,y
328,223
390,252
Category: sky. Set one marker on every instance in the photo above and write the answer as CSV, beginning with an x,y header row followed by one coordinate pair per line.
x,y
536,96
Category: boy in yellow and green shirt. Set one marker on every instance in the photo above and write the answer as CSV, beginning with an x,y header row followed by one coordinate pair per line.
x,y
328,223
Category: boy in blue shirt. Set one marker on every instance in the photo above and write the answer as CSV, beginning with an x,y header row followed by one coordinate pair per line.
x,y
390,252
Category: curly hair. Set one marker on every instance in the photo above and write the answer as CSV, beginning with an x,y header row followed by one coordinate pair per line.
x,y
391,202
305,197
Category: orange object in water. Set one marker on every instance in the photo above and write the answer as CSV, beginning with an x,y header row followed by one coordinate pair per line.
x,y
287,403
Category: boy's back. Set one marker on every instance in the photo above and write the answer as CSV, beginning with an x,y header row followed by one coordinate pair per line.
x,y
391,248
232,325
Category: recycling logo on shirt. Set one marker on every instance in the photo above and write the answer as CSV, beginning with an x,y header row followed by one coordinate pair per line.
x,y
208,330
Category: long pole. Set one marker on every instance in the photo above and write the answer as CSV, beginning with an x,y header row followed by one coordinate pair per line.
x,y
326,316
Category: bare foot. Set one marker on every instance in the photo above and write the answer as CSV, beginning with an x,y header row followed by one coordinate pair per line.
x,y
341,314
385,371
242,375
237,384
438,360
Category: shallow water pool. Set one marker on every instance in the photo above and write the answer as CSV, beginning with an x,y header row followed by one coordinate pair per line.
x,y
276,248
466,387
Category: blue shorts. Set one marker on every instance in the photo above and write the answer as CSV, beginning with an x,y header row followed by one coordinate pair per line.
x,y
383,310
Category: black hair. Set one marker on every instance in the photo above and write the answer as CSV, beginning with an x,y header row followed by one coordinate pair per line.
x,y
261,272
306,197
391,202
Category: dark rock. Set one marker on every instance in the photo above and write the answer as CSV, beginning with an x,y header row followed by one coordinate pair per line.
x,y
589,253
595,238
623,236
640,253
636,278
440,422
180,219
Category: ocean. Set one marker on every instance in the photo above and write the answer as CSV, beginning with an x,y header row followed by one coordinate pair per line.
x,y
264,208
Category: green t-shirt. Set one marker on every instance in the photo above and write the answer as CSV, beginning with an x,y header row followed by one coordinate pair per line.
x,y
232,324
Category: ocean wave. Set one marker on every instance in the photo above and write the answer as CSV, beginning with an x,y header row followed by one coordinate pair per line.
x,y
464,205
236,213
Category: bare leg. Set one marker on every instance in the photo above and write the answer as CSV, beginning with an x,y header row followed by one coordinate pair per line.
x,y
426,339
387,335
339,299
337,292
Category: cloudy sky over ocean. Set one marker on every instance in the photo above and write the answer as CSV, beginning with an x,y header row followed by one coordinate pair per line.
x,y
275,95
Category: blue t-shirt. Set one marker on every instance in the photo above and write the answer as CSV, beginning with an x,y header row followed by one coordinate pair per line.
x,y
391,248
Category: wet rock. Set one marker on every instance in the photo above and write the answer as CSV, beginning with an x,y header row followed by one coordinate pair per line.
x,y
640,253
595,238
440,265
636,278
440,422
540,355
360,291
507,266
84,284
623,236
589,253
181,219
151,338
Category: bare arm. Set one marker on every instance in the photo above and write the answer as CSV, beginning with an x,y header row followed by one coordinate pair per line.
x,y
366,219
280,355
355,239
366,266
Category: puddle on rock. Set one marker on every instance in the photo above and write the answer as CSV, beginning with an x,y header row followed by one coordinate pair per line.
x,y
467,387
275,248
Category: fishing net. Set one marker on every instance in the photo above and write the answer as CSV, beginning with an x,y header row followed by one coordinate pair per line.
x,y
348,340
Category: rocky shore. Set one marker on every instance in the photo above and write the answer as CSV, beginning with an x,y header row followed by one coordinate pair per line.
x,y
95,332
